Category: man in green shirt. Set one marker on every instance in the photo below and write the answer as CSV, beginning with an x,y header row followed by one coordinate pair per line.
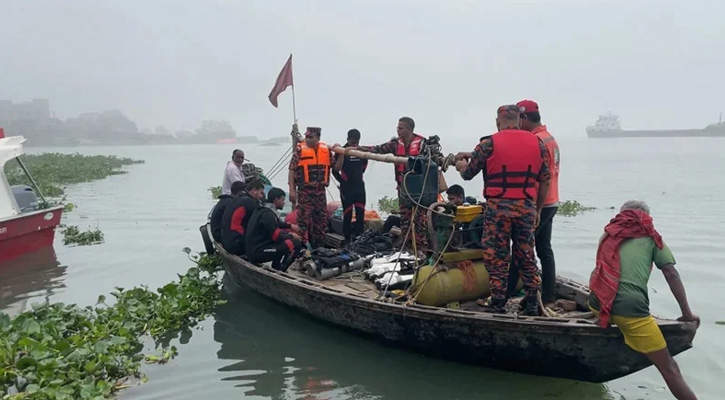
x,y
631,233
637,256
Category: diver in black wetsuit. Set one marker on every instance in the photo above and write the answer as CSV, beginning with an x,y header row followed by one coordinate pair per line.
x,y
237,215
218,212
349,170
269,238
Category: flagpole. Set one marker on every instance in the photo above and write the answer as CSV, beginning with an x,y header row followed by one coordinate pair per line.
x,y
294,105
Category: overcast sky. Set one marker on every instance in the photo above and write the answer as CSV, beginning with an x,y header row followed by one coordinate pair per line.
x,y
363,64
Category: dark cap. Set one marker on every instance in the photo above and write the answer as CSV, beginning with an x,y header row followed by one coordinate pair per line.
x,y
509,111
313,131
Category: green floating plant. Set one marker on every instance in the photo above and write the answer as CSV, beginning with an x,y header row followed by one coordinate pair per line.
x,y
59,351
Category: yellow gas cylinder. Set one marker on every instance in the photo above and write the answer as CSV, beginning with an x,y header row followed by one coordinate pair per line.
x,y
464,281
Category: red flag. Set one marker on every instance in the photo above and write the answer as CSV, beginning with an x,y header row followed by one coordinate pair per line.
x,y
283,80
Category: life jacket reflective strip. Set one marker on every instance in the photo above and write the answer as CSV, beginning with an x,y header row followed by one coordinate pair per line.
x,y
413,150
513,168
552,147
314,165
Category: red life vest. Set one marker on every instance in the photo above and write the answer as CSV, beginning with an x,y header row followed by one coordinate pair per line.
x,y
413,150
552,147
513,167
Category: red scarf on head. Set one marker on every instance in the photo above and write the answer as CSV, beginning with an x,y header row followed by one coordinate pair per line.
x,y
604,282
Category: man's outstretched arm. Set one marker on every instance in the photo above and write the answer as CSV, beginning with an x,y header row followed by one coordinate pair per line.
x,y
678,290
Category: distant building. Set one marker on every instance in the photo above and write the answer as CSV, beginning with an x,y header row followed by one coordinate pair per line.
x,y
37,110
40,127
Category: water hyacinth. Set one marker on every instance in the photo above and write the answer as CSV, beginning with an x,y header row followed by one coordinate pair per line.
x,y
73,235
216,191
52,171
388,205
572,208
59,351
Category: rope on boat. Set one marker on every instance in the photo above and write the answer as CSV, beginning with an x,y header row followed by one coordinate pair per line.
x,y
547,312
279,161
279,165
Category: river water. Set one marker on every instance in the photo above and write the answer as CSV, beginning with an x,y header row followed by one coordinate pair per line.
x,y
252,348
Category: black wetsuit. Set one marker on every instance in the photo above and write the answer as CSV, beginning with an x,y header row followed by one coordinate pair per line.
x,y
352,194
235,221
216,216
266,241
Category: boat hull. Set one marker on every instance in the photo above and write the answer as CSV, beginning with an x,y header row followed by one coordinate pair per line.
x,y
539,346
28,232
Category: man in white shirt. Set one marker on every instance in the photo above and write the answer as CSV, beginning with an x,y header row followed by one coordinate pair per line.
x,y
233,172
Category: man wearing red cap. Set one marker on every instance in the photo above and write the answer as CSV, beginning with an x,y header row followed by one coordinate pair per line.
x,y
516,178
309,176
531,121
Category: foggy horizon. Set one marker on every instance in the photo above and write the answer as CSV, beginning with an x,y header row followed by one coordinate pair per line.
x,y
447,64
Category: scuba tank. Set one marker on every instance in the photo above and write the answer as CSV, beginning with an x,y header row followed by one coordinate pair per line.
x,y
393,280
391,258
327,273
380,269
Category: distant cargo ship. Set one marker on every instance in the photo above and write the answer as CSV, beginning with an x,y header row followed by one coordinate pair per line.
x,y
607,126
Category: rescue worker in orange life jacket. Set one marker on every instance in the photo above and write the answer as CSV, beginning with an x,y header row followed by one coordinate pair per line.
x,y
408,144
349,170
516,181
309,176
531,121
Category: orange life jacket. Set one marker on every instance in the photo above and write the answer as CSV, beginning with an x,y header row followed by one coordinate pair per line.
x,y
414,149
513,167
552,147
314,165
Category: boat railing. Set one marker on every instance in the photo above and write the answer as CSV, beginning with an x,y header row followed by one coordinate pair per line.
x,y
10,148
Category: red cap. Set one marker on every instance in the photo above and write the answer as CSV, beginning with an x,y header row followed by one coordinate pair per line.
x,y
528,106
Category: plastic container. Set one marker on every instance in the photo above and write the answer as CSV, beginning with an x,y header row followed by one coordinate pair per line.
x,y
466,214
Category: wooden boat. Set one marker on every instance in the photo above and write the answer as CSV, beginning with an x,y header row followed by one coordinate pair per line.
x,y
568,347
